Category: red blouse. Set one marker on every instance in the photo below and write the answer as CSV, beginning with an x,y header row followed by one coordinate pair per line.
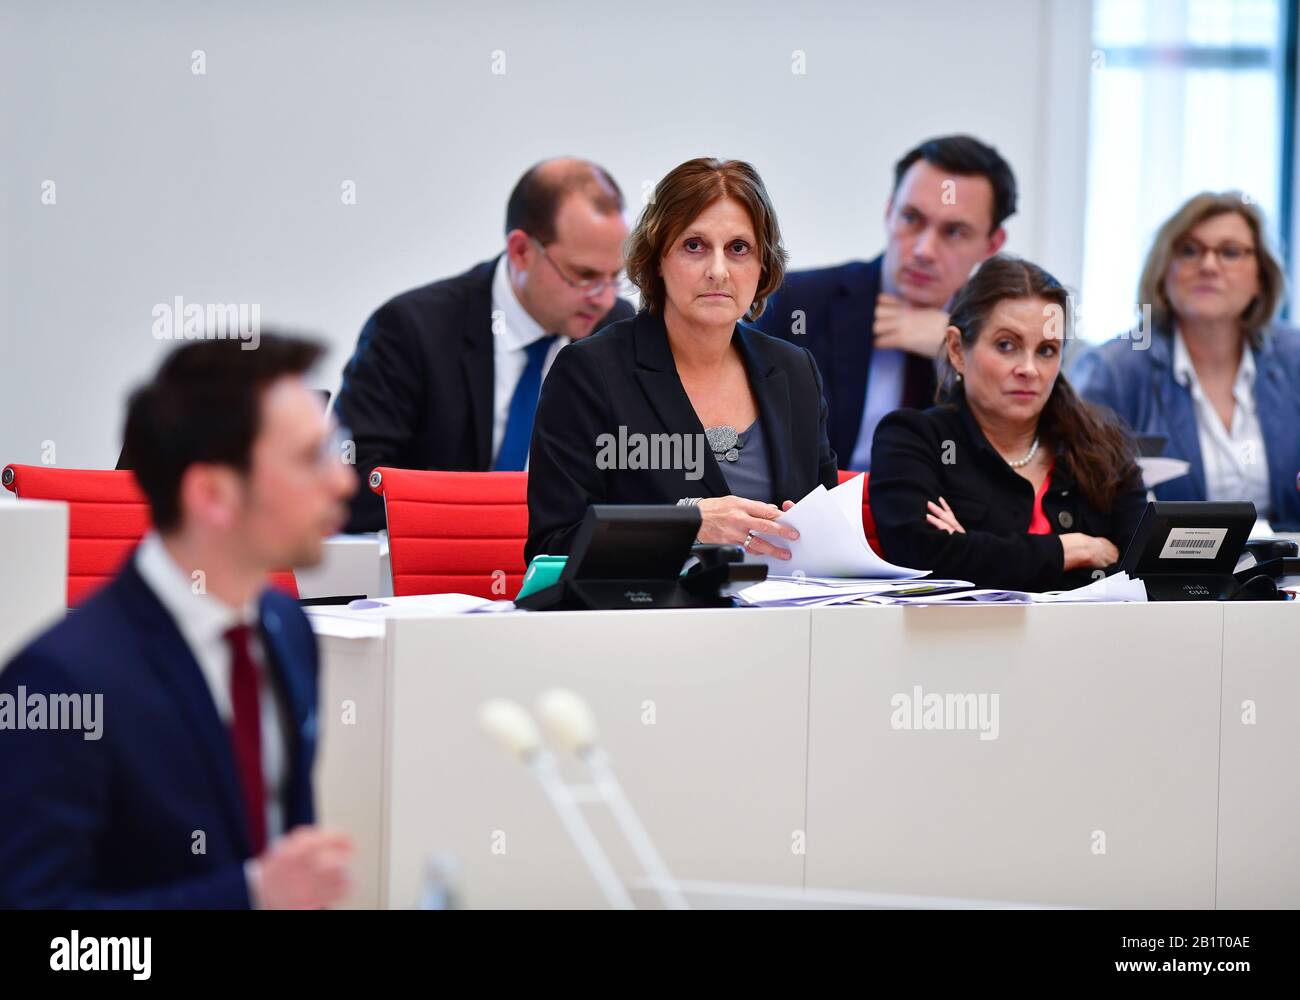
x,y
1038,522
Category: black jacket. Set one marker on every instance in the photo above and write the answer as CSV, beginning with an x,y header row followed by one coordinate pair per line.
x,y
625,377
922,455
417,393
837,306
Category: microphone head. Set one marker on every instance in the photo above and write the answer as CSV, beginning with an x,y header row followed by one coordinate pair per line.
x,y
509,724
567,718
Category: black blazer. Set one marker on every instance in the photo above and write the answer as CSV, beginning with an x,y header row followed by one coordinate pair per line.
x,y
417,393
839,321
922,455
625,377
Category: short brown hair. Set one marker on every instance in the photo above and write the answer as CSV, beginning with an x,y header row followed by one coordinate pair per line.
x,y
204,405
1206,205
536,199
679,199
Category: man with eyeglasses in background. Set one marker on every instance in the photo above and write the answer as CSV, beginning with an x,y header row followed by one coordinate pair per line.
x,y
447,376
875,327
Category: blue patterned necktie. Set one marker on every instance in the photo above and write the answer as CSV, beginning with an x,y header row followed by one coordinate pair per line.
x,y
523,407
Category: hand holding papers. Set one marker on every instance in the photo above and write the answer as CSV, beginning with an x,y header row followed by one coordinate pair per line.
x,y
831,542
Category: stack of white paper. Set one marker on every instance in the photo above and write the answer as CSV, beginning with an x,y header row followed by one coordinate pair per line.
x,y
831,542
807,592
424,605
1118,588
365,618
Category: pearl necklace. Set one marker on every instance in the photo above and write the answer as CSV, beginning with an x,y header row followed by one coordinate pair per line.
x,y
1022,462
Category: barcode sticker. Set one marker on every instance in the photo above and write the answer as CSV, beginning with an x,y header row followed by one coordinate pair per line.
x,y
1193,543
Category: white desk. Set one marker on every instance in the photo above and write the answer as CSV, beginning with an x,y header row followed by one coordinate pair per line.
x,y
34,580
1097,731
1259,760
770,722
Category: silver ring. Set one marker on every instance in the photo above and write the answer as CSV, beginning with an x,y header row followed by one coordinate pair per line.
x,y
748,538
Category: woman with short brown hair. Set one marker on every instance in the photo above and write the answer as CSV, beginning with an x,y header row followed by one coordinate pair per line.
x,y
1215,375
685,402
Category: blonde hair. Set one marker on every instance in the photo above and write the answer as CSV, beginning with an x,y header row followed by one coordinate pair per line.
x,y
1206,205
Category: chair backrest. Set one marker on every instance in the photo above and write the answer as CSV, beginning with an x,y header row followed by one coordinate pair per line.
x,y
107,516
868,522
455,532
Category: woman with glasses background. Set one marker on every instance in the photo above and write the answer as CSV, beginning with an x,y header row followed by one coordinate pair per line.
x,y
1216,375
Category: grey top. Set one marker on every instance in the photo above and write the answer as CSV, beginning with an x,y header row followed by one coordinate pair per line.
x,y
750,476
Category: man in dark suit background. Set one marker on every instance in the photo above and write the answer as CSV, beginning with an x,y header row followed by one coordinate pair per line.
x,y
168,727
876,327
447,376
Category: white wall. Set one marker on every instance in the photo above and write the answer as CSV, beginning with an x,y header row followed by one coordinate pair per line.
x,y
225,187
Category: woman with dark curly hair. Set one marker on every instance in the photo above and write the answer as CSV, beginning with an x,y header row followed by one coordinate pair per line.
x,y
1012,481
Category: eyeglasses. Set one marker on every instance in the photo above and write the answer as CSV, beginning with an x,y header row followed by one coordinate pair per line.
x,y
589,287
1227,254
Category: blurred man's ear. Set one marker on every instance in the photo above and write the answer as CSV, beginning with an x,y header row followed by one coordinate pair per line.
x,y
519,248
210,496
996,239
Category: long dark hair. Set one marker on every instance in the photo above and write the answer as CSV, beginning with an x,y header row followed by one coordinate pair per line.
x,y
1092,444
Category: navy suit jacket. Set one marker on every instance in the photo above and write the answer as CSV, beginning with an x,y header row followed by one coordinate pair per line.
x,y
838,307
1141,387
418,392
150,814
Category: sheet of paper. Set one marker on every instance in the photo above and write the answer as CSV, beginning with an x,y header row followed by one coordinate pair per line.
x,y
1117,588
348,626
423,605
1158,469
831,542
1120,587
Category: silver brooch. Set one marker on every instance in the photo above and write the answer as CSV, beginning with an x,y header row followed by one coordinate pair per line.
x,y
722,442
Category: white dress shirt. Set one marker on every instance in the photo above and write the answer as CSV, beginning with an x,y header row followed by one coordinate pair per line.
x,y
203,622
1236,466
886,379
513,329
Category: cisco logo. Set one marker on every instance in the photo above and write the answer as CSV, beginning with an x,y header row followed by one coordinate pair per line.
x,y
1196,590
638,597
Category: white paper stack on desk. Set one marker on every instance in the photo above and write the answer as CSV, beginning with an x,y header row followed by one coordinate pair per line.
x,y
832,563
809,592
831,541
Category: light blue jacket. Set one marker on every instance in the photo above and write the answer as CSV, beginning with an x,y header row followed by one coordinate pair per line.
x,y
1141,387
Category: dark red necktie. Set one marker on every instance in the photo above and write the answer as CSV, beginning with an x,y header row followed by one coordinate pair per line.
x,y
246,733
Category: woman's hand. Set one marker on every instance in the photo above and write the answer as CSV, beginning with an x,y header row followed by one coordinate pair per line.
x,y
729,520
942,517
1087,551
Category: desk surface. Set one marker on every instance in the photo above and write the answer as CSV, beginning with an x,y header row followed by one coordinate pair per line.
x,y
759,749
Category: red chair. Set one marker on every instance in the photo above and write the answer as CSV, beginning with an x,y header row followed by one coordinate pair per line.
x,y
455,532
107,516
868,522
